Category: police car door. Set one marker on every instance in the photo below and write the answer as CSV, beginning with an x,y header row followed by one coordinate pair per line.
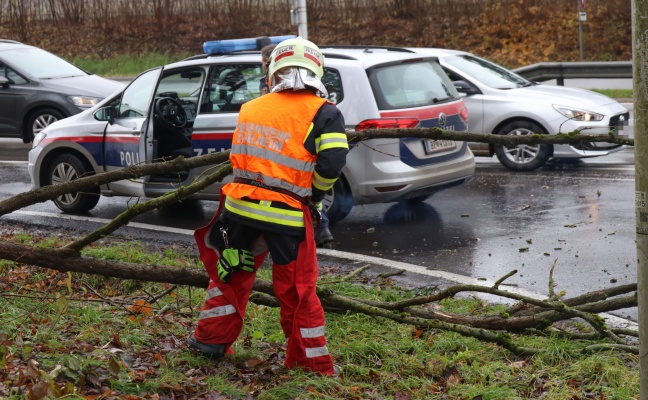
x,y
125,140
227,88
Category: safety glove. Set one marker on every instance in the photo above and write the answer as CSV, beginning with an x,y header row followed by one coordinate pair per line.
x,y
232,260
316,212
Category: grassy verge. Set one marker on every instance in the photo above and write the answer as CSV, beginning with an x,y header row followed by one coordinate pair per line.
x,y
82,336
125,65
616,93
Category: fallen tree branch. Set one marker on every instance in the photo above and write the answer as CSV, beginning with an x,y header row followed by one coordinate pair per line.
x,y
495,329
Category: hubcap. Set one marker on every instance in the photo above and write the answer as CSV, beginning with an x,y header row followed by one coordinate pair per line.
x,y
64,173
522,153
43,122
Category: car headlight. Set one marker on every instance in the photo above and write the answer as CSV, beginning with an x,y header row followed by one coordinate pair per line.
x,y
38,138
578,115
83,101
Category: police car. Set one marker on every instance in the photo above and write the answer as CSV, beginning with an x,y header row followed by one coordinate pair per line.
x,y
190,108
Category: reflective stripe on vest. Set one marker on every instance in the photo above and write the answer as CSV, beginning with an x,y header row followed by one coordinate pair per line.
x,y
270,181
265,212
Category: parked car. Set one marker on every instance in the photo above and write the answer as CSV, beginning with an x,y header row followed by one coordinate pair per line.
x,y
191,107
38,88
502,102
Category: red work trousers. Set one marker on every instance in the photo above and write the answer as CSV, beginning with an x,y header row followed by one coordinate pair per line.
x,y
302,316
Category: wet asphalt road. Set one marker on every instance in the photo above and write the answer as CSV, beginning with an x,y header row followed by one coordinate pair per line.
x,y
577,215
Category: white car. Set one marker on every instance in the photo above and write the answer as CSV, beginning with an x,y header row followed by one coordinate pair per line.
x,y
502,102
191,107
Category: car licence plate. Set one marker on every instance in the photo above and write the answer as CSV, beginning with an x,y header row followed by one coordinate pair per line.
x,y
435,146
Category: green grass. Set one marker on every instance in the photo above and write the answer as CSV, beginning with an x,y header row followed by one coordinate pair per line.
x,y
615,93
125,65
87,338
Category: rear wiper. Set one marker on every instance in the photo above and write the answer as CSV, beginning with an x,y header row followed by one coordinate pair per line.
x,y
438,100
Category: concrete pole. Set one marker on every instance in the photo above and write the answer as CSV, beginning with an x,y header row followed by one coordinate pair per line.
x,y
580,30
640,97
298,17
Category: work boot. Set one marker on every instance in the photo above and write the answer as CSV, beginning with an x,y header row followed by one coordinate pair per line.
x,y
323,238
211,350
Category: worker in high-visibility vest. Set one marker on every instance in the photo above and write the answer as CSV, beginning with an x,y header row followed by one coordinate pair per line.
x,y
288,149
323,235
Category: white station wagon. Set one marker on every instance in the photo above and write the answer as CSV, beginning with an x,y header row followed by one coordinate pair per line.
x,y
190,108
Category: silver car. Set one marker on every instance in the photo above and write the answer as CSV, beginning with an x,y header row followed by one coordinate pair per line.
x,y
191,107
502,102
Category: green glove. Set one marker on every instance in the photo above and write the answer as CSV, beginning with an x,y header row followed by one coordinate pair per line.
x,y
232,260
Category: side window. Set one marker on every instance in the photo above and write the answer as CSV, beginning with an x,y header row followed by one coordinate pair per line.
x,y
333,83
136,100
229,86
12,75
185,87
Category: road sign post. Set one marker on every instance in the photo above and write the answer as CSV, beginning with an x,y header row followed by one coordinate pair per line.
x,y
582,16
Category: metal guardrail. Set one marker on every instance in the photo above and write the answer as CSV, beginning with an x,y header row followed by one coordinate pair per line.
x,y
576,70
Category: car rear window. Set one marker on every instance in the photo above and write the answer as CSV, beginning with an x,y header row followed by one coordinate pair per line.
x,y
411,85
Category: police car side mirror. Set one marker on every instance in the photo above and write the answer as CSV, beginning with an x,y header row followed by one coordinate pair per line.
x,y
105,114
4,82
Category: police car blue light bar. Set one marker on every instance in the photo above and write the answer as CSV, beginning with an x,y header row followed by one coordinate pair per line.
x,y
231,45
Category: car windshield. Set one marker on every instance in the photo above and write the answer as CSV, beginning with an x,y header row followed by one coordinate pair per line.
x,y
39,63
486,72
410,85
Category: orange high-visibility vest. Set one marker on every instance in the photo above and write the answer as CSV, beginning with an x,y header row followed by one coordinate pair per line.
x,y
268,146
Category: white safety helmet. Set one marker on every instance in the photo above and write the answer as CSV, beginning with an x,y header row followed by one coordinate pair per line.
x,y
297,52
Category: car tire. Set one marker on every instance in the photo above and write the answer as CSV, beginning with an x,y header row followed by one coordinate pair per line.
x,y
338,202
66,168
523,157
40,120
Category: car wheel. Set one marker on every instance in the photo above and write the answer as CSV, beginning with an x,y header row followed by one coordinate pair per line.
x,y
40,120
66,168
338,201
523,157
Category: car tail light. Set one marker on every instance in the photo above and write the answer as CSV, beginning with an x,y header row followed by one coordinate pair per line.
x,y
463,113
387,123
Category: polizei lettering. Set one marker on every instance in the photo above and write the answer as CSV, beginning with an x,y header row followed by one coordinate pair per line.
x,y
129,158
261,136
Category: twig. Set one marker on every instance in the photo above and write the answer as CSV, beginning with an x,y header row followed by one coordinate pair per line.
x,y
600,347
502,279
355,272
394,273
552,284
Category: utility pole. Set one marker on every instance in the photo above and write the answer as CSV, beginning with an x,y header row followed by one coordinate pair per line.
x,y
640,100
298,17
